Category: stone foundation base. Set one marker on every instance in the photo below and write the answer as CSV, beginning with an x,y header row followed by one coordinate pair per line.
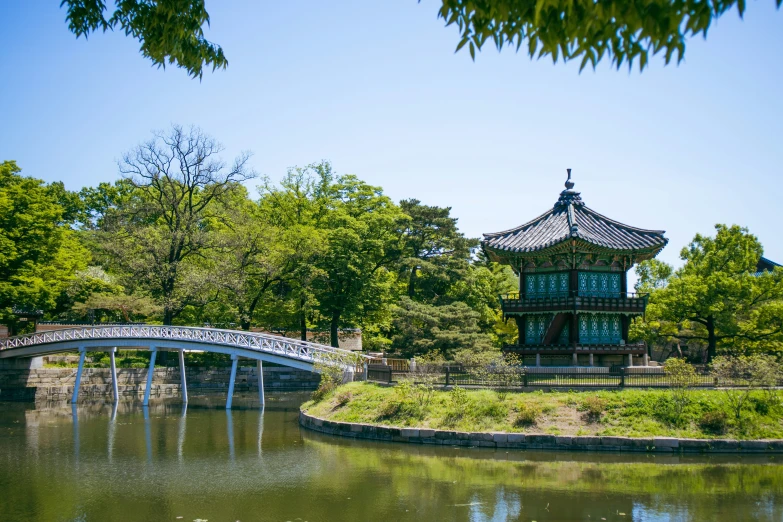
x,y
57,383
537,442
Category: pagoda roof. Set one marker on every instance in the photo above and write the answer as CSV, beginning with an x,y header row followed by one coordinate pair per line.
x,y
571,219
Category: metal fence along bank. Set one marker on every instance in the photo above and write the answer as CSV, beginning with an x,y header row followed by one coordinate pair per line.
x,y
542,377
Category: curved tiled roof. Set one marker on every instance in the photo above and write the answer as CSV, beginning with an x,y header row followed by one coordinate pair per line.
x,y
570,218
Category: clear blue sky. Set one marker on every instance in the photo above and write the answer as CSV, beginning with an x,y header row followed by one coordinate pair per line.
x,y
376,88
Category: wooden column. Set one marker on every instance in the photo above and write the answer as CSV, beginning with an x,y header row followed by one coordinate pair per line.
x,y
573,282
521,282
625,323
573,333
520,320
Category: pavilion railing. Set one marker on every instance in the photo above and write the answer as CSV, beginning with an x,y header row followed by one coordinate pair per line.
x,y
629,302
516,296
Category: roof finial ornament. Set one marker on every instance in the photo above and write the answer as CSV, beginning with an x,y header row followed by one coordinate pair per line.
x,y
569,184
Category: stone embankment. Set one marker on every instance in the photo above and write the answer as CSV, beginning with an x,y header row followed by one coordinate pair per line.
x,y
57,383
537,442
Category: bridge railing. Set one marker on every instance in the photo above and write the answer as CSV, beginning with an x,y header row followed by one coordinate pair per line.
x,y
286,347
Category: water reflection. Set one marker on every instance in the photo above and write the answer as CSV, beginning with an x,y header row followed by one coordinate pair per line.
x,y
230,431
202,461
181,431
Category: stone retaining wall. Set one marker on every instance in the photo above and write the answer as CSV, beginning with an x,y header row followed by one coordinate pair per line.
x,y
538,442
57,383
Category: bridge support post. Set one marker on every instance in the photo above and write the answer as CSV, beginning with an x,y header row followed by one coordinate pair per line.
x,y
150,372
348,374
182,381
77,383
234,360
115,391
261,382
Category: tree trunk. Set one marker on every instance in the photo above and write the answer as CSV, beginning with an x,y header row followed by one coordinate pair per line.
x,y
168,316
335,322
712,341
302,326
245,319
412,282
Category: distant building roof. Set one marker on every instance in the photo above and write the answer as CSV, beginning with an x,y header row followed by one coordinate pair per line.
x,y
765,265
569,219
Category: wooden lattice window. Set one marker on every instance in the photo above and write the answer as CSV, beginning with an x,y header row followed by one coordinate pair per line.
x,y
599,284
599,329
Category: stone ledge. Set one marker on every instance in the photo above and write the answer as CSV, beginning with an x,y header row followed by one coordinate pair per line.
x,y
537,441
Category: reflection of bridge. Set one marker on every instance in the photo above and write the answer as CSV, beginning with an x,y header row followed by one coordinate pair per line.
x,y
260,347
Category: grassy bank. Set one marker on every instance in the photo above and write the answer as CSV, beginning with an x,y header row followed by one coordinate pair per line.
x,y
634,413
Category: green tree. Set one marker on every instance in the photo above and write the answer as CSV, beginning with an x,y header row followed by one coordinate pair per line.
x,y
128,307
297,209
39,252
479,288
168,30
420,328
624,31
435,251
363,244
717,298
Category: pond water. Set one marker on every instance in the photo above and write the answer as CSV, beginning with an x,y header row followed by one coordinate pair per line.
x,y
204,463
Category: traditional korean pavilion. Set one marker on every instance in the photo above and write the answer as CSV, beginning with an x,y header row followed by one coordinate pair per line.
x,y
573,305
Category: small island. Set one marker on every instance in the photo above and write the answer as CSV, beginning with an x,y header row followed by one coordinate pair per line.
x,y
642,414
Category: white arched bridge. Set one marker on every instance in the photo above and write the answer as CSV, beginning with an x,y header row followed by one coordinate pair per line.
x,y
258,346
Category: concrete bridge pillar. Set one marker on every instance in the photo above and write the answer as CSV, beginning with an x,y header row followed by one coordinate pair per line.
x,y
78,381
150,372
232,379
114,387
348,374
183,384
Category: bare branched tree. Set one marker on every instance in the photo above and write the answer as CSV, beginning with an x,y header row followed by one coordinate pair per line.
x,y
179,181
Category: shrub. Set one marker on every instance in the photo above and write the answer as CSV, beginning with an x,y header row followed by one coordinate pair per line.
x,y
492,410
389,409
459,398
749,373
331,378
681,376
593,406
343,397
714,422
527,415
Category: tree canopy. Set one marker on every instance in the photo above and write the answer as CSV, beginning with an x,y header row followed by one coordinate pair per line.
x,y
716,297
623,31
39,252
168,30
